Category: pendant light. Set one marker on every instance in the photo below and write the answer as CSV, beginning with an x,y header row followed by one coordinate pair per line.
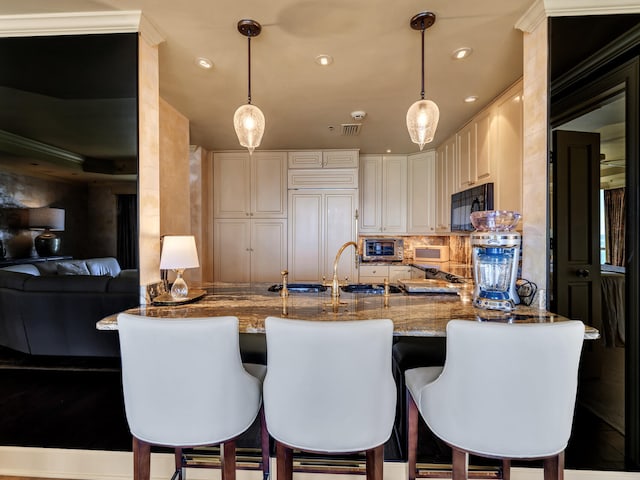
x,y
423,115
249,119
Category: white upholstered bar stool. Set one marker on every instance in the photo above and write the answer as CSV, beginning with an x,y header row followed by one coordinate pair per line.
x,y
185,386
329,389
506,391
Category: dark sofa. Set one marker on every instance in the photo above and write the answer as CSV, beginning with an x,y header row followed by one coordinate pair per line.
x,y
56,314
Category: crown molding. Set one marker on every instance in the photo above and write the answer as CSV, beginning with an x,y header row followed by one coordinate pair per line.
x,y
79,23
563,8
541,9
533,17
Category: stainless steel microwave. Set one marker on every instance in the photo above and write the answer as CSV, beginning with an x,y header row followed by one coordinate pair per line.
x,y
382,250
472,200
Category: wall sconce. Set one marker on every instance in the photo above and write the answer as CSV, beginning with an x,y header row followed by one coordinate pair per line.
x,y
179,253
48,219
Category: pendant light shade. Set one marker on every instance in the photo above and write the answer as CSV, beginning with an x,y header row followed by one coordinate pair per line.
x,y
249,124
423,115
248,121
422,120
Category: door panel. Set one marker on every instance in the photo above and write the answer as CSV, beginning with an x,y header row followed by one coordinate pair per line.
x,y
576,266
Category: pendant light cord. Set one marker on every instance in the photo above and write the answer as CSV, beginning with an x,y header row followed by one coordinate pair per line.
x,y
249,69
422,33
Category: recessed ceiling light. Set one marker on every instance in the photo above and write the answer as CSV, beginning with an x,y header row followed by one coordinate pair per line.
x,y
460,53
470,99
324,60
204,62
388,150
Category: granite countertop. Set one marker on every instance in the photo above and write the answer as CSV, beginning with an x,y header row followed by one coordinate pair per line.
x,y
413,315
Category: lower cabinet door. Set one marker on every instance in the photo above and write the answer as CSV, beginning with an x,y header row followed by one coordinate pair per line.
x,y
232,250
268,249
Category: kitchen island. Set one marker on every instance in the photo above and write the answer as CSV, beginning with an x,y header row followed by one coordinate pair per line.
x,y
416,315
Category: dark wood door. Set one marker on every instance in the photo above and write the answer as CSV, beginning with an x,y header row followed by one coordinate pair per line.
x,y
576,227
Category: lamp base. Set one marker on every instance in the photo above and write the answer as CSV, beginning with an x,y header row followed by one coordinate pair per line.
x,y
47,244
179,289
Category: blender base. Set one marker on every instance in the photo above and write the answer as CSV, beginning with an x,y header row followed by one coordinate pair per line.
x,y
492,304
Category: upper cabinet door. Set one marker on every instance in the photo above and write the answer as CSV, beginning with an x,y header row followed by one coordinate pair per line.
x,y
340,159
485,145
269,185
394,194
421,199
370,194
323,159
305,159
231,185
466,147
250,186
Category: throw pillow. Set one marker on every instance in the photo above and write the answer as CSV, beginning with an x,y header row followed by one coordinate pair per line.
x,y
73,268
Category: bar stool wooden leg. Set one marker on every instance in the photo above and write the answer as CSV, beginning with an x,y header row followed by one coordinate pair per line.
x,y
460,462
375,463
412,435
284,462
506,469
264,440
228,460
178,463
554,467
141,460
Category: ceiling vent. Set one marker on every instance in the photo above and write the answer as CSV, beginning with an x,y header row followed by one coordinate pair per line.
x,y
350,129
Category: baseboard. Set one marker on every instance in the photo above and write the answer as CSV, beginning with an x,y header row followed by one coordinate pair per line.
x,y
103,465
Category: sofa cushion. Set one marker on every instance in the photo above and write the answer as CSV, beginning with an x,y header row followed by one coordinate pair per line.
x,y
14,280
47,268
22,268
124,284
73,267
66,283
103,266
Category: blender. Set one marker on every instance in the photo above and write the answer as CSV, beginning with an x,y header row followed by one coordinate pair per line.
x,y
496,257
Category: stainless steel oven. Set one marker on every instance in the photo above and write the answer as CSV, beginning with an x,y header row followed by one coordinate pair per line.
x,y
382,250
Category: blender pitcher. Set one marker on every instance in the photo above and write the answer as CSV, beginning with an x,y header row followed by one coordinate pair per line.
x,y
495,256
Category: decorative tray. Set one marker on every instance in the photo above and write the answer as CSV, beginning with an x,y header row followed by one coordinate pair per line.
x,y
167,299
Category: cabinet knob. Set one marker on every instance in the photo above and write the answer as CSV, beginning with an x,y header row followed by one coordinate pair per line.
x,y
246,213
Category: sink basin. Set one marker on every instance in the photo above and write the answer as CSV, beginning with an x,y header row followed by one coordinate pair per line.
x,y
373,289
300,288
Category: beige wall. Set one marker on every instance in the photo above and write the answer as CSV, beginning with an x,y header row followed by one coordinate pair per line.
x,y
149,169
535,185
200,185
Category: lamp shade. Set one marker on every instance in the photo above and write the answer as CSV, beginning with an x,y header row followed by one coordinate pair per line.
x,y
46,218
179,252
422,121
249,123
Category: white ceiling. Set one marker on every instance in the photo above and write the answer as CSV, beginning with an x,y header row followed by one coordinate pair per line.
x,y
376,64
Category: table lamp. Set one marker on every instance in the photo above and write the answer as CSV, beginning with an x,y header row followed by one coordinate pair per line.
x,y
179,253
48,219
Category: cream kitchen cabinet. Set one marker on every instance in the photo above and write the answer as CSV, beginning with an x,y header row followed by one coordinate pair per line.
x,y
421,192
249,250
323,159
475,142
446,180
508,152
383,187
320,222
373,273
377,273
247,186
397,272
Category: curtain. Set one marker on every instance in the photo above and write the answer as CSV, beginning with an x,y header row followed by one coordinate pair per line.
x,y
614,217
127,249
